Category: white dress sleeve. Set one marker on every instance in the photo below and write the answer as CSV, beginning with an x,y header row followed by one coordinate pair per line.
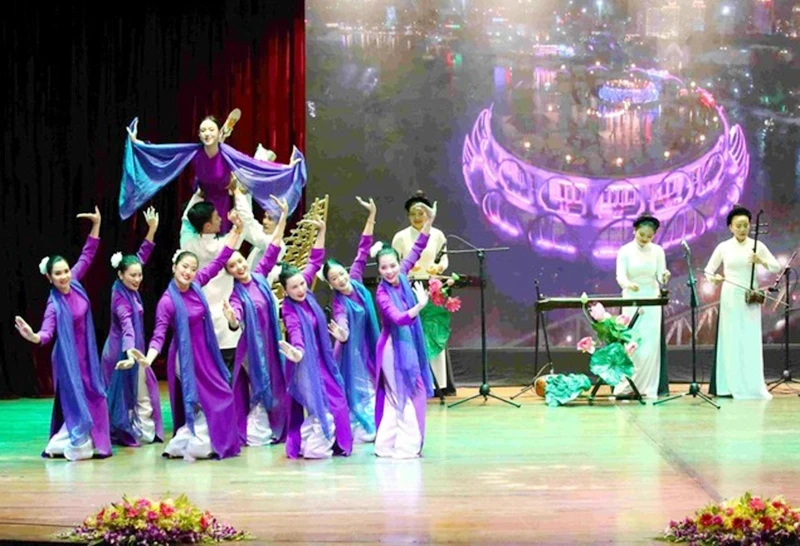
x,y
763,252
714,262
622,268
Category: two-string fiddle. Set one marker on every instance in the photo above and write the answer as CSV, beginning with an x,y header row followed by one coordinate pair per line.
x,y
754,296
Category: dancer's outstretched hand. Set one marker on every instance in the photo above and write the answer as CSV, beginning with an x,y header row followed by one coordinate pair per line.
x,y
421,294
132,133
290,351
370,205
93,216
338,333
151,217
25,330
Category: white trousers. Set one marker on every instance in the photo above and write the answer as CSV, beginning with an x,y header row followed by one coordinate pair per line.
x,y
191,446
313,443
439,367
259,432
144,410
60,444
398,434
360,434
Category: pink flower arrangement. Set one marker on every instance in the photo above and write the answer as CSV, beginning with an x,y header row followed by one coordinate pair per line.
x,y
611,362
748,519
452,304
440,293
587,345
598,312
143,521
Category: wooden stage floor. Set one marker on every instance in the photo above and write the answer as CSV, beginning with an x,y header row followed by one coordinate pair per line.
x,y
491,474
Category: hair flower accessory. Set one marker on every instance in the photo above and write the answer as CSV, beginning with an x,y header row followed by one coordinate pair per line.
x,y
116,258
374,249
43,265
175,256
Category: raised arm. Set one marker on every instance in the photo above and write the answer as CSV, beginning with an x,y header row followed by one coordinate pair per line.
x,y
416,252
253,231
147,246
422,241
274,250
360,263
317,255
89,247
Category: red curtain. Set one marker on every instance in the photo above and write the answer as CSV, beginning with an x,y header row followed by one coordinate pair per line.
x,y
74,79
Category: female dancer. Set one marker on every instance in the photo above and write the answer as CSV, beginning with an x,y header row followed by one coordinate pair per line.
x,y
262,403
357,335
641,269
739,364
404,372
133,402
149,167
199,383
314,380
431,262
79,426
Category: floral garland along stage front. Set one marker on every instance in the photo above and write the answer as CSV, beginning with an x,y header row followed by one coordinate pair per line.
x,y
142,521
748,519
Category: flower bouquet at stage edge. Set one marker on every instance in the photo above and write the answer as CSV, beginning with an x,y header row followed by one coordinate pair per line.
x,y
147,522
435,316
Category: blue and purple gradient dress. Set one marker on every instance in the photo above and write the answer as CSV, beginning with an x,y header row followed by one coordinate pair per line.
x,y
201,397
262,400
79,426
135,412
315,384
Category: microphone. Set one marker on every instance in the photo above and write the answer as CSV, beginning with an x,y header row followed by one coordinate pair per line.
x,y
686,248
442,252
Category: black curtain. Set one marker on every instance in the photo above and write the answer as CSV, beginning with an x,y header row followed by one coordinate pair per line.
x,y
74,78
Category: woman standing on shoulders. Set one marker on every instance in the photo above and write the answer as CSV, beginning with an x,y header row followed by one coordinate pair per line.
x,y
739,363
79,426
641,270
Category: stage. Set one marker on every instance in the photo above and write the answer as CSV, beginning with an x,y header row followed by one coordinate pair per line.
x,y
612,473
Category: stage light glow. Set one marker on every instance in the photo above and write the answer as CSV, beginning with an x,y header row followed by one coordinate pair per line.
x,y
586,215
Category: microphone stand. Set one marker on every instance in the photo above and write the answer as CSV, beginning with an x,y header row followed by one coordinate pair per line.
x,y
786,375
540,318
485,389
694,387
